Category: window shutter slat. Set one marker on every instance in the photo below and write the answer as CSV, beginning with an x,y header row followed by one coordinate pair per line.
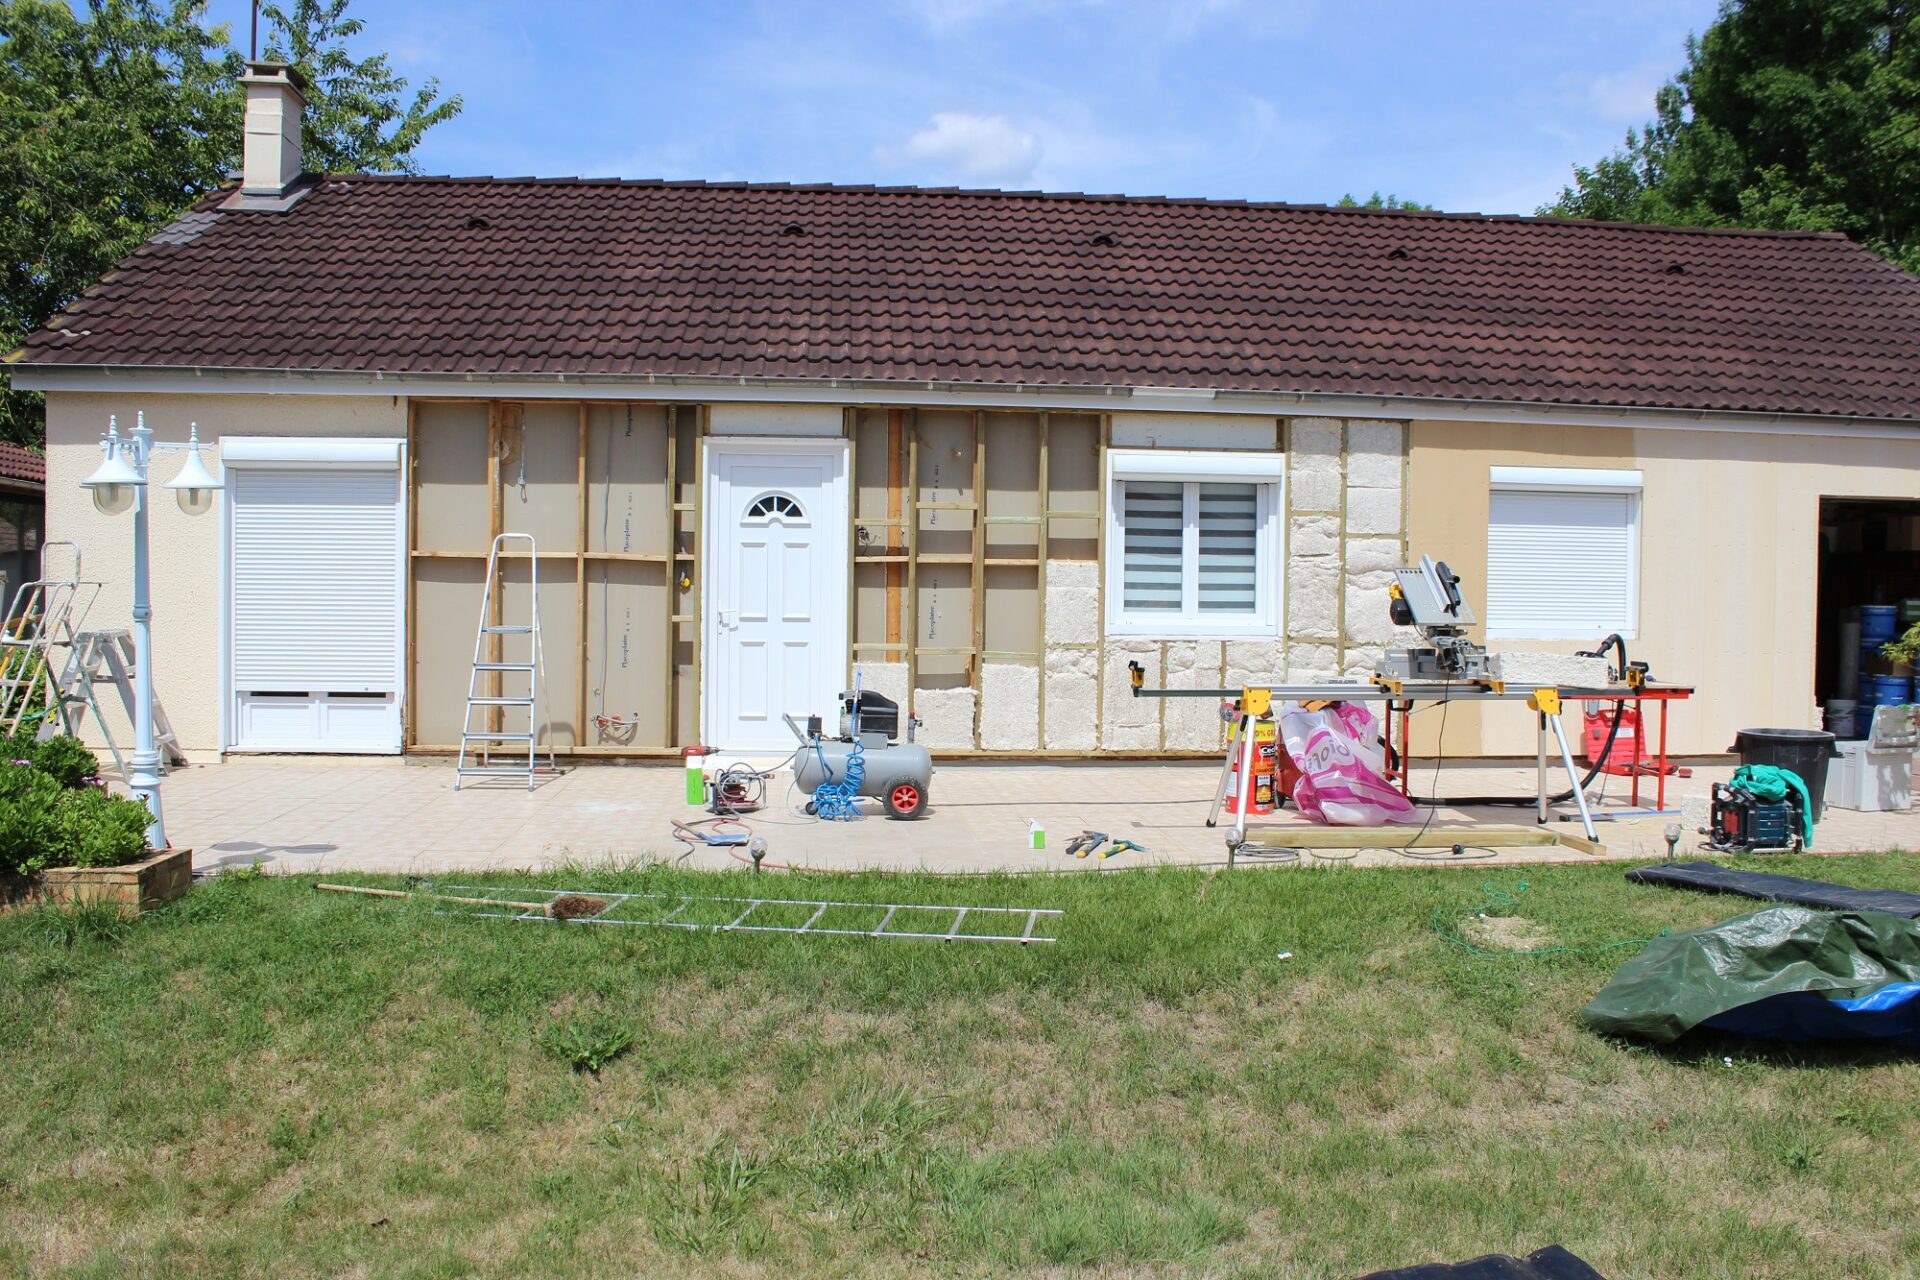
x,y
1229,537
1150,568
1559,563
314,572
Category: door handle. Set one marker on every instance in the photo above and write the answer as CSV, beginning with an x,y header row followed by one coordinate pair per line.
x,y
726,616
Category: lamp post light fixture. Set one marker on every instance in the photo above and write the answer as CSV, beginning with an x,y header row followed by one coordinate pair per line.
x,y
120,483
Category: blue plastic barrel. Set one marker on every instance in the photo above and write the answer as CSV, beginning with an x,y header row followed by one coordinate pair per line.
x,y
1882,691
1879,623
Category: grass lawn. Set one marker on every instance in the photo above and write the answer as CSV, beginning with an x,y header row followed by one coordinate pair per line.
x,y
265,1080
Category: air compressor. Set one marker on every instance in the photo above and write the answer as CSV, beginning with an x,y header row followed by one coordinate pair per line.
x,y
867,754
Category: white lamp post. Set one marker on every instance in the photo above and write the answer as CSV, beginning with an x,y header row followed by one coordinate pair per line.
x,y
120,483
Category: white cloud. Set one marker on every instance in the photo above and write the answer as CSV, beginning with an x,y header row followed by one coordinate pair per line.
x,y
1622,97
978,148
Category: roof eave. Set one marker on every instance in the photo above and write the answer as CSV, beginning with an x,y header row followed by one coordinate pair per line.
x,y
1107,398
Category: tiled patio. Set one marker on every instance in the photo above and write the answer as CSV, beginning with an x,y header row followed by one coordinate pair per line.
x,y
313,814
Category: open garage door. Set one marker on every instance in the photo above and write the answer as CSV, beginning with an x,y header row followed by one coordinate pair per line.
x,y
316,603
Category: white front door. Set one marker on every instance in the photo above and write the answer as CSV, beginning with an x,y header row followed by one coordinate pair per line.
x,y
776,584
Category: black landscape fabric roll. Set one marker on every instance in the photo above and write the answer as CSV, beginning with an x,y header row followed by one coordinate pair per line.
x,y
1711,877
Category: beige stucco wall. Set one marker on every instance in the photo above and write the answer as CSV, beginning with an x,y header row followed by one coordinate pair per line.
x,y
1729,531
186,550
1728,544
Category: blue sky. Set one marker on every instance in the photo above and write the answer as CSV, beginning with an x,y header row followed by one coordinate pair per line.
x,y
1468,104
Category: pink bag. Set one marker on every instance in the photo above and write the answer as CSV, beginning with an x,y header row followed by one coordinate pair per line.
x,y
1341,763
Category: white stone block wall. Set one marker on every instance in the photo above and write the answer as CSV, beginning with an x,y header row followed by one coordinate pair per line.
x,y
1193,724
1009,707
946,718
1345,531
1373,542
1073,699
1073,602
1128,723
888,679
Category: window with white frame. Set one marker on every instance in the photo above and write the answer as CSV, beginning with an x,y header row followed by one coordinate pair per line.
x,y
1563,553
1193,543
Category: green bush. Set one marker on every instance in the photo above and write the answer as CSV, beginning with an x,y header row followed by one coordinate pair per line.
x,y
43,824
28,801
95,829
67,760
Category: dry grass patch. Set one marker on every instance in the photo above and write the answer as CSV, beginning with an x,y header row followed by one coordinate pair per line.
x,y
250,1082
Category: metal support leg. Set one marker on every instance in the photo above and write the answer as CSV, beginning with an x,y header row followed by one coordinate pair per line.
x,y
1573,777
1226,770
1246,782
1540,765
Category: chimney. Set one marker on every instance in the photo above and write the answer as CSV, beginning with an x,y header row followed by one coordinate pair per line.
x,y
270,161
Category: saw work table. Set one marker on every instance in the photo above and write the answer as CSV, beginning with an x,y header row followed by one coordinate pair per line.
x,y
1450,667
1399,698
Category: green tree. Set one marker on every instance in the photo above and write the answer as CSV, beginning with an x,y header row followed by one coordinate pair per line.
x,y
355,119
1789,114
1377,201
109,126
115,119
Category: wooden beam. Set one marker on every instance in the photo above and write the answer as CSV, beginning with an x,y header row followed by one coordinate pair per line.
x,y
702,427
1320,837
580,584
896,492
673,543
1040,582
411,694
496,515
977,664
912,622
850,429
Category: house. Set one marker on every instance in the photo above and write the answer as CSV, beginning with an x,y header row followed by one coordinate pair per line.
x,y
23,499
984,449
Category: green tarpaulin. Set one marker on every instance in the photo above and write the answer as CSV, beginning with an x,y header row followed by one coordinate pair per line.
x,y
1811,965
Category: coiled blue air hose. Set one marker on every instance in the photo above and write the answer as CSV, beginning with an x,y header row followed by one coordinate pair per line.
x,y
839,801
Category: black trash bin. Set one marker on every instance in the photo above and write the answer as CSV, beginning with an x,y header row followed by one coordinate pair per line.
x,y
1804,751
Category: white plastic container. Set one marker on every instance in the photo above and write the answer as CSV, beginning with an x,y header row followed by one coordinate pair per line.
x,y
1875,775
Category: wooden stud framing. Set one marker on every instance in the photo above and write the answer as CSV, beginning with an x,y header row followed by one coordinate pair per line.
x,y
667,701
896,488
1102,441
703,427
978,665
850,429
901,554
580,585
496,516
410,730
1040,583
913,541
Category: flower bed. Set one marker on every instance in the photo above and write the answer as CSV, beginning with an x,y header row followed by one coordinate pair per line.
x,y
55,813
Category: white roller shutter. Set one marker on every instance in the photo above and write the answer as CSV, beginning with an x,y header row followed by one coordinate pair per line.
x,y
1561,563
316,621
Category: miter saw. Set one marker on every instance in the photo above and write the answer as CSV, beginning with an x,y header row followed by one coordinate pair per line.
x,y
1427,598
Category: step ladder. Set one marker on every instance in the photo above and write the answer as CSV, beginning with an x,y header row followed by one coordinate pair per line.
x,y
506,657
106,657
36,636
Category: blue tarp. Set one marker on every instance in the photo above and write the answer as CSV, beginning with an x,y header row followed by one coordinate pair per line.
x,y
1785,973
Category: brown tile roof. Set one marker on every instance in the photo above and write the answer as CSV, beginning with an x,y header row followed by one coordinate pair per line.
x,y
20,463
521,276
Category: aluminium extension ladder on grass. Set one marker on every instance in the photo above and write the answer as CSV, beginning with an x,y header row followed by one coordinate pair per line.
x,y
497,668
